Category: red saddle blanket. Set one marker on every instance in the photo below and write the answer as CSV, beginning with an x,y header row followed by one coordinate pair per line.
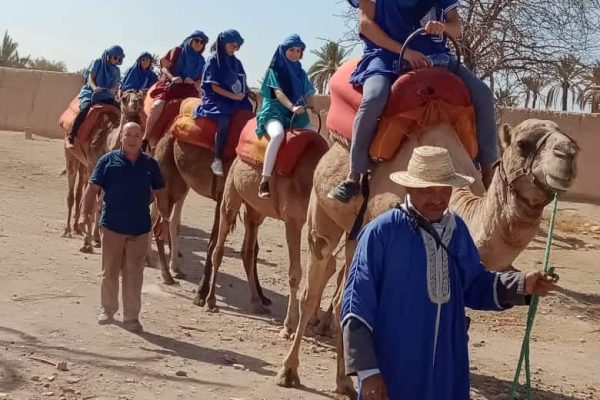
x,y
201,131
252,149
170,111
83,135
418,100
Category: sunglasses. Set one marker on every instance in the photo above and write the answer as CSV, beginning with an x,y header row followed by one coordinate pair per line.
x,y
116,58
196,40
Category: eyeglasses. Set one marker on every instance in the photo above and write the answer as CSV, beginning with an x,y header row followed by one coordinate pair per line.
x,y
197,40
116,58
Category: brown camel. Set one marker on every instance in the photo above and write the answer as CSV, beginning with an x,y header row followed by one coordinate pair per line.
x,y
80,161
288,203
537,160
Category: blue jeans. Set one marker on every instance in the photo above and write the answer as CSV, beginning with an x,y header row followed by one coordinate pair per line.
x,y
222,133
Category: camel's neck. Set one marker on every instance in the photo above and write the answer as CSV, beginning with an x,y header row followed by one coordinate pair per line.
x,y
501,226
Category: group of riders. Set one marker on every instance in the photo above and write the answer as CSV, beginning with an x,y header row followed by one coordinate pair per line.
x,y
286,90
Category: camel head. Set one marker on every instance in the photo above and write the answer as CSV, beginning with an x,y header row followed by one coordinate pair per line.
x,y
132,102
538,160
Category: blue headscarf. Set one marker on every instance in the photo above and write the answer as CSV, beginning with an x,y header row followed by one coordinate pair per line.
x,y
137,78
190,63
228,67
290,74
106,74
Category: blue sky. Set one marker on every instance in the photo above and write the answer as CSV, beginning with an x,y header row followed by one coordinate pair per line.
x,y
77,31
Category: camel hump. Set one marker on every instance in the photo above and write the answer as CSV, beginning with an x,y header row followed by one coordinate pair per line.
x,y
418,100
251,148
201,131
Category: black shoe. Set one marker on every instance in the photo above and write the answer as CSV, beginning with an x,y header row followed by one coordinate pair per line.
x,y
345,191
264,191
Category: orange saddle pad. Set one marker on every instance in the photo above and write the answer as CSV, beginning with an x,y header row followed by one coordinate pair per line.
x,y
68,117
252,149
418,100
201,131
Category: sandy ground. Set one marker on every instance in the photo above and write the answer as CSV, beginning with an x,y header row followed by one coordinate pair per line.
x,y
49,295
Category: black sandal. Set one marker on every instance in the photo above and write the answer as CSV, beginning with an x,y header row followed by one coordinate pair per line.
x,y
264,192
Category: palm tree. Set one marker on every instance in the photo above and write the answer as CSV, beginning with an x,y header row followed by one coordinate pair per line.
x,y
567,72
505,97
9,56
590,95
46,65
533,85
331,56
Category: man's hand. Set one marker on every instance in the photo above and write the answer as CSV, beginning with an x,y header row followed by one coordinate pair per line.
x,y
373,388
176,79
239,96
539,283
298,110
163,230
416,59
435,28
189,81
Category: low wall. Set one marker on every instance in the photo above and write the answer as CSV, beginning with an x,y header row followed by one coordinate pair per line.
x,y
35,99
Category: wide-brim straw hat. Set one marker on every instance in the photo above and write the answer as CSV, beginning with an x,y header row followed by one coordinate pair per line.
x,y
430,166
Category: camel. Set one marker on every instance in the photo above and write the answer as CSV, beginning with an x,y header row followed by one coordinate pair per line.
x,y
537,160
80,162
186,166
288,203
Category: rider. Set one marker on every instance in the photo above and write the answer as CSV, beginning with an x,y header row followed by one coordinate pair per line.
x,y
181,71
286,92
140,75
102,80
224,90
384,26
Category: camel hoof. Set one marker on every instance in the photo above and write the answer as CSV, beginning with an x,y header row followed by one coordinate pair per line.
x,y
178,275
287,377
258,308
168,280
212,309
67,233
97,244
198,301
87,249
266,301
286,333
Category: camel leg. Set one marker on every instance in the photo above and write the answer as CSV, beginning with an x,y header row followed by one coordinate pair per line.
x,y
228,206
323,236
81,184
264,299
71,177
87,238
252,222
174,235
324,326
293,235
344,385
96,237
164,268
315,320
204,284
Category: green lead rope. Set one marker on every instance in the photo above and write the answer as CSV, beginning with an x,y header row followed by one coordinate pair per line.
x,y
531,315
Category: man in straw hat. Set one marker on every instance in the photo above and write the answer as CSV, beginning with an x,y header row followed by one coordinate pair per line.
x,y
414,271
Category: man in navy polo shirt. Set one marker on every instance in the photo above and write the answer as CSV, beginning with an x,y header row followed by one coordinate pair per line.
x,y
129,178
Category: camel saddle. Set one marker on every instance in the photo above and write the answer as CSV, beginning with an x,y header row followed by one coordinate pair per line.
x,y
251,148
85,130
166,118
201,131
418,100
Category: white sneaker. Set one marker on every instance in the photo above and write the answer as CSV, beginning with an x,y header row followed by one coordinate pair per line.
x,y
217,167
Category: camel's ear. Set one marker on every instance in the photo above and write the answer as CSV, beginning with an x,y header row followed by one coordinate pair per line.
x,y
505,136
